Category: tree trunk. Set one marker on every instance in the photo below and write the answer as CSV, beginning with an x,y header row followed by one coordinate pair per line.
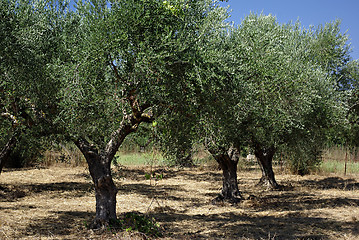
x,y
6,151
99,163
228,161
105,189
264,158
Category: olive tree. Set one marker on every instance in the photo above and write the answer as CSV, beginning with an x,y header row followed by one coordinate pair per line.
x,y
131,61
264,91
328,48
294,98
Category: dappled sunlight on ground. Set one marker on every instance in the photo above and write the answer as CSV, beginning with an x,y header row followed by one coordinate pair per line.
x,y
58,203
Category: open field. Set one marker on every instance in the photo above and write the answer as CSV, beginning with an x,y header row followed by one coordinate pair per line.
x,y
58,202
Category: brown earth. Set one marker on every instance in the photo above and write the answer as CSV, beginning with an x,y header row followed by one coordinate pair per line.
x,y
57,203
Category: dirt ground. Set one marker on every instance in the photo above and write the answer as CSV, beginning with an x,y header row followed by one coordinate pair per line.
x,y
58,203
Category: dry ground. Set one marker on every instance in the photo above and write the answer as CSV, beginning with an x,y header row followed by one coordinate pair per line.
x,y
58,202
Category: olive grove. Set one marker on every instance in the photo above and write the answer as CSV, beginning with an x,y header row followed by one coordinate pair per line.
x,y
92,73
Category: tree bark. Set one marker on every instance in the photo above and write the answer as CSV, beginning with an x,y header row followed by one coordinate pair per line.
x,y
99,162
264,158
228,161
105,189
7,150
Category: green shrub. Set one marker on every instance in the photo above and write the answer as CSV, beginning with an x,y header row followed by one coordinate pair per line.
x,y
134,221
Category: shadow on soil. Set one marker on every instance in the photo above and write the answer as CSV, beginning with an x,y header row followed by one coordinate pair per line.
x,y
61,223
13,192
288,222
295,201
332,183
172,192
236,226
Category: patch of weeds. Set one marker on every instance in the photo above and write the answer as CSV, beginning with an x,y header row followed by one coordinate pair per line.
x,y
153,175
135,221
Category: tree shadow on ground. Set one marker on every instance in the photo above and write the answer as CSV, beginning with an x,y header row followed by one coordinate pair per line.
x,y
168,173
298,201
21,169
332,183
59,187
10,192
238,226
59,223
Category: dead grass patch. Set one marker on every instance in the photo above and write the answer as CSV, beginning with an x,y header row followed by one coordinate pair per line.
x,y
58,203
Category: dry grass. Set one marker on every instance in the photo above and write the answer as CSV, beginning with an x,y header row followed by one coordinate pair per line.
x,y
56,203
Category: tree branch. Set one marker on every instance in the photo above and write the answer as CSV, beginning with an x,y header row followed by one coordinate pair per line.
x,y
11,117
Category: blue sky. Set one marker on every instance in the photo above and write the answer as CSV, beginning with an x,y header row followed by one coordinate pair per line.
x,y
308,12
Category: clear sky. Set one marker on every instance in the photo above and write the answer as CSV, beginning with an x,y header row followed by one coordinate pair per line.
x,y
308,12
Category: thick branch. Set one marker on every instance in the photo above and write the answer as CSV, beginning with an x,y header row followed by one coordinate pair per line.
x,y
85,147
127,126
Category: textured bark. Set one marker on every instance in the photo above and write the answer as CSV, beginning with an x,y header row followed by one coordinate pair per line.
x,y
7,150
99,162
228,161
105,189
264,158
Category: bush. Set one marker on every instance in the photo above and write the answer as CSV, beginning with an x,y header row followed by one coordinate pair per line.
x,y
302,160
28,151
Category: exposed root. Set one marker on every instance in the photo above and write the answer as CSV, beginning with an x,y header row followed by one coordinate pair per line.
x,y
220,199
270,185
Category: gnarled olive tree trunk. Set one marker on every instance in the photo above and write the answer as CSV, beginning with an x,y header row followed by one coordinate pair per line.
x,y
99,162
264,157
105,189
228,160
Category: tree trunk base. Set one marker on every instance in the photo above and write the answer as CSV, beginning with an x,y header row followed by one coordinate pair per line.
x,y
230,199
263,182
97,224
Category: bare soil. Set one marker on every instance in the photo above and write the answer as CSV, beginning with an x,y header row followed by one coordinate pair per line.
x,y
59,202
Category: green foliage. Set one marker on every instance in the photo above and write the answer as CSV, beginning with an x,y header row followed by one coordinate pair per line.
x,y
82,72
137,159
329,48
138,49
261,87
29,40
304,158
154,175
174,134
133,221
28,46
29,151
142,140
350,85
